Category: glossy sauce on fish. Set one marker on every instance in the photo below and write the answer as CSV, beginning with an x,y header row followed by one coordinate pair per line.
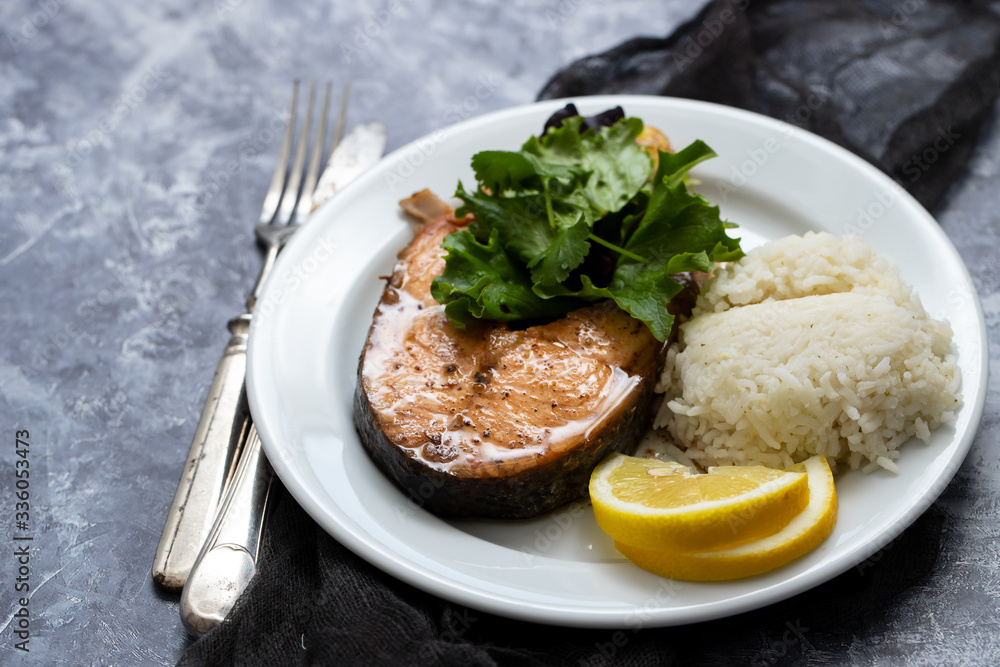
x,y
518,414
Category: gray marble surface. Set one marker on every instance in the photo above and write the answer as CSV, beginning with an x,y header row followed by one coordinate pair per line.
x,y
125,245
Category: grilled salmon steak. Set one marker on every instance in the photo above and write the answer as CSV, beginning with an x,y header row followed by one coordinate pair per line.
x,y
492,421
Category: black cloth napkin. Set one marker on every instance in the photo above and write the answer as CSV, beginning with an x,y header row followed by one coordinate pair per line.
x,y
904,84
313,602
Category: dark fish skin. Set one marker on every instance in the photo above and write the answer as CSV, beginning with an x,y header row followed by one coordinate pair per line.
x,y
492,421
549,484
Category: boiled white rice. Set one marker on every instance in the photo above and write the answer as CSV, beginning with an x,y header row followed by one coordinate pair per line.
x,y
809,345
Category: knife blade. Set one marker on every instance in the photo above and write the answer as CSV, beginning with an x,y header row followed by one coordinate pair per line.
x,y
228,559
359,150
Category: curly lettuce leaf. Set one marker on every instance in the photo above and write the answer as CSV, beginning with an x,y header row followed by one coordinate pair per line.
x,y
615,165
521,221
545,198
575,217
481,280
678,220
643,291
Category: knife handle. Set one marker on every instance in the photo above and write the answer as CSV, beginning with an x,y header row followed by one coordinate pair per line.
x,y
228,560
210,464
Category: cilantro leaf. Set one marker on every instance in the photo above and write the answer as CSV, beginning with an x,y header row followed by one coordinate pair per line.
x,y
505,171
574,217
521,220
673,167
481,280
567,251
678,220
616,167
500,171
643,291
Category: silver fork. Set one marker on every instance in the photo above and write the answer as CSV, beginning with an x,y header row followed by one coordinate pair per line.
x,y
225,423
273,228
228,559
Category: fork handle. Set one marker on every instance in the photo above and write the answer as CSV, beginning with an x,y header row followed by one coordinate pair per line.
x,y
228,560
210,464
269,257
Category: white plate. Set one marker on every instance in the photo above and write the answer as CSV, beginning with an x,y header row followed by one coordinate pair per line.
x,y
770,178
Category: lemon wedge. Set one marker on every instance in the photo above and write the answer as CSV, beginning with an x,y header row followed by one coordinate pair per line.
x,y
652,504
802,534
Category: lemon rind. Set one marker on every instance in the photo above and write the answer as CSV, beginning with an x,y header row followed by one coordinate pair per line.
x,y
803,534
712,525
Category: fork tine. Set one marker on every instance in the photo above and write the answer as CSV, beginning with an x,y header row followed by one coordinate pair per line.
x,y
273,195
288,202
305,205
338,131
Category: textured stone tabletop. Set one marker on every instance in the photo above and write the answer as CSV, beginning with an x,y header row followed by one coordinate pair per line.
x,y
135,147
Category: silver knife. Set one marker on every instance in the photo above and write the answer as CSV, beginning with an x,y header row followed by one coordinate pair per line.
x,y
228,559
356,152
222,429
210,464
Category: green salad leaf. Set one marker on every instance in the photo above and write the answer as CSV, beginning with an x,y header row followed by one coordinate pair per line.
x,y
578,216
